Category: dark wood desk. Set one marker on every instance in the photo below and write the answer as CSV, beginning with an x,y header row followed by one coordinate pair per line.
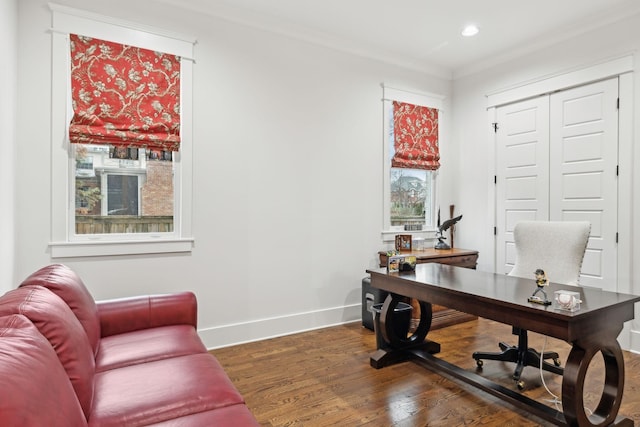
x,y
592,329
442,316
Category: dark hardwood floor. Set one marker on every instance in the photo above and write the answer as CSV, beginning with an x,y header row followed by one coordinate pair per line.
x,y
323,378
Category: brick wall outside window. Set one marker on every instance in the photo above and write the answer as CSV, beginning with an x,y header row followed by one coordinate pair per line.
x,y
157,192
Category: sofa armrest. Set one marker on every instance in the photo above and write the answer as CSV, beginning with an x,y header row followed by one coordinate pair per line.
x,y
143,312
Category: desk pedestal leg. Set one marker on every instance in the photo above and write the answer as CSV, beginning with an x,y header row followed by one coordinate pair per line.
x,y
392,350
573,384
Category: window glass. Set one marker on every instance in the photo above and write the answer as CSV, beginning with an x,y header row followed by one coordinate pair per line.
x,y
122,190
410,191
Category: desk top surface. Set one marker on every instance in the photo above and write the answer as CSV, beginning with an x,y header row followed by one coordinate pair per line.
x,y
458,287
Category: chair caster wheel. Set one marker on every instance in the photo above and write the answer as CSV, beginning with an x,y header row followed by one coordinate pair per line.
x,y
520,385
556,362
479,363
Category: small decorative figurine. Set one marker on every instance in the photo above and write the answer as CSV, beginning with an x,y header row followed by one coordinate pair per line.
x,y
541,282
541,278
442,228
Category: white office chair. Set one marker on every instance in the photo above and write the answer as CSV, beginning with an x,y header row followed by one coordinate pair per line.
x,y
558,248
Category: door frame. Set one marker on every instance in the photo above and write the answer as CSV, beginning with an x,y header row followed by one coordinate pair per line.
x,y
622,68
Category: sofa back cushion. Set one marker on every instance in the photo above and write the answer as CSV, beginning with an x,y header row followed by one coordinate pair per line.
x,y
61,328
65,283
35,388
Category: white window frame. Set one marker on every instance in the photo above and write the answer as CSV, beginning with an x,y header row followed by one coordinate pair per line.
x,y
64,241
390,94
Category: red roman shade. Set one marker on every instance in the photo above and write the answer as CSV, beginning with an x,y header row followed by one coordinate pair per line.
x,y
415,134
124,96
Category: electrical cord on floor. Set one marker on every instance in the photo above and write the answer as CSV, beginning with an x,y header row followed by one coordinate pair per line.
x,y
556,400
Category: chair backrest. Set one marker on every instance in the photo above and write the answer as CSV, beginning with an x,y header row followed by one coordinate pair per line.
x,y
557,247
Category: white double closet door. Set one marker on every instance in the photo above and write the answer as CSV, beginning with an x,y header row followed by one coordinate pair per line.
x,y
557,160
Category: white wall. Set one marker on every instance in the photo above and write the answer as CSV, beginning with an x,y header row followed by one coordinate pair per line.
x,y
8,78
471,137
287,182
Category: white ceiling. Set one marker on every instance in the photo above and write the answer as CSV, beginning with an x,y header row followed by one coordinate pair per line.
x,y
423,34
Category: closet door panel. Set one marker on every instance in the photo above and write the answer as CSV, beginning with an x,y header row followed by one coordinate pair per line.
x,y
583,177
522,176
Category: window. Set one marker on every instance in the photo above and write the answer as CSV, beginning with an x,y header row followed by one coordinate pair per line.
x,y
411,198
123,131
410,175
119,194
122,190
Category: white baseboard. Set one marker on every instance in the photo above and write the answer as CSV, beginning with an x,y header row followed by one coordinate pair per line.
x,y
261,329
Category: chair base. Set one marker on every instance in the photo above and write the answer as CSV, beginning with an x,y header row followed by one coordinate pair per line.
x,y
522,356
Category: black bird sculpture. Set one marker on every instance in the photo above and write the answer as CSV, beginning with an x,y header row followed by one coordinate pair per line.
x,y
442,228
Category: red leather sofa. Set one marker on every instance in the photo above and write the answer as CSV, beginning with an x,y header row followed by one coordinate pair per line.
x,y
66,360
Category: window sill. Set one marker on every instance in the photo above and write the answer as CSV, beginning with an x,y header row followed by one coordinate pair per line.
x,y
133,247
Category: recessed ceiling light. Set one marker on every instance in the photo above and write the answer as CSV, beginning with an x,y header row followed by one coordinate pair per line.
x,y
470,30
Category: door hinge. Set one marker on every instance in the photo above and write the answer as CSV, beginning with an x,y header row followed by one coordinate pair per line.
x,y
495,126
617,170
495,231
616,237
618,103
495,179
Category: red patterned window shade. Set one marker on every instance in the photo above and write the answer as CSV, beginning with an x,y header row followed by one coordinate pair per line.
x,y
124,96
415,134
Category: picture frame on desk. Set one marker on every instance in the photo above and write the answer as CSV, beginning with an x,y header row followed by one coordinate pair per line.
x,y
393,264
403,242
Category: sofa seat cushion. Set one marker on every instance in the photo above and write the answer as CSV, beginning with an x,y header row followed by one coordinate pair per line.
x,y
158,391
35,388
230,416
57,323
147,345
65,283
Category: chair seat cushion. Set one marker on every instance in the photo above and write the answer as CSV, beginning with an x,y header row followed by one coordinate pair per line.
x,y
158,391
147,345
